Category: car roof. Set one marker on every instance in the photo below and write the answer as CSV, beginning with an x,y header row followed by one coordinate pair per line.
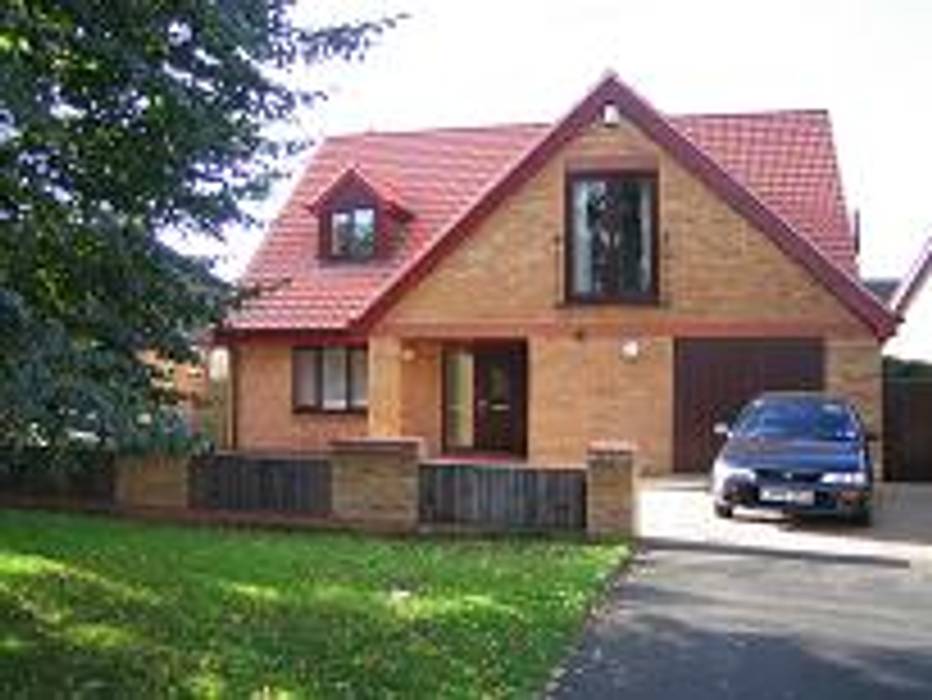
x,y
815,396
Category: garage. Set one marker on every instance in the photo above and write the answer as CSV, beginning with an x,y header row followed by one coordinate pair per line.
x,y
715,377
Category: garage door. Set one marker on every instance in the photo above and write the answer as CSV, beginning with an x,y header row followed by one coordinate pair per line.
x,y
715,377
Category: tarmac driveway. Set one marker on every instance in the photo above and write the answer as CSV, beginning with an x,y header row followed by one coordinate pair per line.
x,y
763,607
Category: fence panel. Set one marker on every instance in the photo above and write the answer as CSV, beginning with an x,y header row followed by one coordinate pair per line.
x,y
908,430
502,498
293,485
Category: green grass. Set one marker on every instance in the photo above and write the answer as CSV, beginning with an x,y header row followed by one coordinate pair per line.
x,y
92,607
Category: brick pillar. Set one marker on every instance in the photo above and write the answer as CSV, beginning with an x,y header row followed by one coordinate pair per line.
x,y
152,481
611,490
375,481
385,387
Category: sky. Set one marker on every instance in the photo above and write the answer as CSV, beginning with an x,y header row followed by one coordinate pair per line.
x,y
473,62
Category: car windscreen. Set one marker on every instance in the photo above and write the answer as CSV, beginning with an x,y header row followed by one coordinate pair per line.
x,y
791,419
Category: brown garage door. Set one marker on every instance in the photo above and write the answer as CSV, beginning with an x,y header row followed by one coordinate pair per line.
x,y
715,377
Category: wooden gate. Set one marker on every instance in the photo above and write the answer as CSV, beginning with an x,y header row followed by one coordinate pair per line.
x,y
907,429
715,377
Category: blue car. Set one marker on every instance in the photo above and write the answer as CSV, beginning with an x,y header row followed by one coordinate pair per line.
x,y
799,453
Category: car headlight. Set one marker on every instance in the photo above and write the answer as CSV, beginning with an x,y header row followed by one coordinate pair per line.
x,y
725,470
847,478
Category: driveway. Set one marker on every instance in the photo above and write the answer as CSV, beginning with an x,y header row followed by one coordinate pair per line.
x,y
763,607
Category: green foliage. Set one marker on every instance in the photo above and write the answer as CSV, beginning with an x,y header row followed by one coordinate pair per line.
x,y
895,368
120,121
93,607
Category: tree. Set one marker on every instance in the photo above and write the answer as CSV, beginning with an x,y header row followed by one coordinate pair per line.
x,y
120,121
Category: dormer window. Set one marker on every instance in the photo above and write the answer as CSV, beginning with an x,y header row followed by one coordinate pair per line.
x,y
358,220
352,233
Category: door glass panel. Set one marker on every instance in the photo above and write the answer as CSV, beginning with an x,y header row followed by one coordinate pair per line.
x,y
458,370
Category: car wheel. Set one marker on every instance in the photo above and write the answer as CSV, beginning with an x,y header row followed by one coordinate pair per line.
x,y
723,511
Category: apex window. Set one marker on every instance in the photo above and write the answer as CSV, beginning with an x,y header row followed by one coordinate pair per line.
x,y
612,237
352,233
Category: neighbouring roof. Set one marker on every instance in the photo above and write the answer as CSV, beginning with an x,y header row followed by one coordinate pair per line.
x,y
910,286
776,168
882,288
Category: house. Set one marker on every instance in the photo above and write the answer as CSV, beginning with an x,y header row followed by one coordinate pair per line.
x,y
911,299
523,290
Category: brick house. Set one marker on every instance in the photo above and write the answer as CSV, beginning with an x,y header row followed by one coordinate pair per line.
x,y
527,289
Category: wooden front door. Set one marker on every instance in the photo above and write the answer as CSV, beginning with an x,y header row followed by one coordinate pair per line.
x,y
715,377
500,398
485,398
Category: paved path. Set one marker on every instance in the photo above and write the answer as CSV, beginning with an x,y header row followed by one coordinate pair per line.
x,y
763,608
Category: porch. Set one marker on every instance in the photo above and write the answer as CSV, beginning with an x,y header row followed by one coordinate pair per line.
x,y
467,399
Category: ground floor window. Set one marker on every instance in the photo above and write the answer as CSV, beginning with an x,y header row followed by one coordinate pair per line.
x,y
330,378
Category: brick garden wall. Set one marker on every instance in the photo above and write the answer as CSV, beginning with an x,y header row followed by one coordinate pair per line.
x,y
374,484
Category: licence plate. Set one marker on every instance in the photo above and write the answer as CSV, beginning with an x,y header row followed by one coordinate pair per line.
x,y
801,498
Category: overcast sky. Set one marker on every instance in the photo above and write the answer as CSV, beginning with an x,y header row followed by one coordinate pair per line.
x,y
482,62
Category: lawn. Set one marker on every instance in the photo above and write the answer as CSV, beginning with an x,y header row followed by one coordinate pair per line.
x,y
93,607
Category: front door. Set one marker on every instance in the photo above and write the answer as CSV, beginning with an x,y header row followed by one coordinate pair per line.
x,y
485,389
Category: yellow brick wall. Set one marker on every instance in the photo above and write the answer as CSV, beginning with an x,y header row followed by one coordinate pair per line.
x,y
264,416
581,390
405,390
853,369
714,265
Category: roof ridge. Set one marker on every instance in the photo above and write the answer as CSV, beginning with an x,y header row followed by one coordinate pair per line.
x,y
435,129
495,126
753,112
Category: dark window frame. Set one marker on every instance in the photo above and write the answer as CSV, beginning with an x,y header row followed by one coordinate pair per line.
x,y
351,196
318,405
351,210
648,297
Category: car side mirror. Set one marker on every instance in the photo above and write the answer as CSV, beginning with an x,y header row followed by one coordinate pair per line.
x,y
722,429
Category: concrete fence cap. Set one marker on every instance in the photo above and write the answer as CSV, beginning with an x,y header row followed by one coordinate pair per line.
x,y
612,447
378,445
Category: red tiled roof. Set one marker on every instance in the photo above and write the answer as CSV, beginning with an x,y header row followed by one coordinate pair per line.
x,y
783,160
787,159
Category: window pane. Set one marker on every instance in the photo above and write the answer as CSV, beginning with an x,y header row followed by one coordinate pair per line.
x,y
305,378
633,218
612,236
458,370
341,230
586,195
359,360
363,233
647,239
334,379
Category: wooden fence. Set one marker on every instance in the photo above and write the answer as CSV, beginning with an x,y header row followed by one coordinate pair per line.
x,y
908,429
502,498
288,485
